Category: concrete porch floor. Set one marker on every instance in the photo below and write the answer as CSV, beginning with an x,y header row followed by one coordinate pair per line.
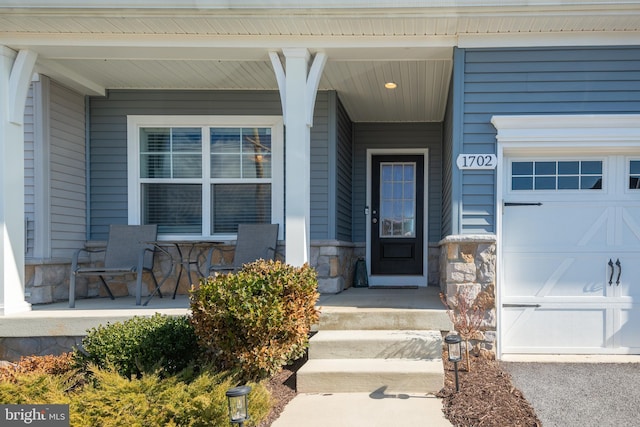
x,y
58,319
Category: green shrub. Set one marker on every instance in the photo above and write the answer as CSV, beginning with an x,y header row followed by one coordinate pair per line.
x,y
154,401
141,344
112,400
257,320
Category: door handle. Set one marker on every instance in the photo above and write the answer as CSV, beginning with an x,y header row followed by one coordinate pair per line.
x,y
619,264
611,267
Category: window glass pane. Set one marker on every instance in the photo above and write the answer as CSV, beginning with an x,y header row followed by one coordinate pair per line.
x,y
186,139
522,183
568,183
545,168
591,183
256,150
398,173
568,168
408,228
409,190
225,140
545,183
397,200
522,168
386,173
591,167
187,166
634,178
561,175
155,158
225,166
155,165
397,190
233,204
176,208
408,173
256,166
159,148
154,140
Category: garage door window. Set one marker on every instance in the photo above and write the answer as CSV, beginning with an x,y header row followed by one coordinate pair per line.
x,y
556,175
634,174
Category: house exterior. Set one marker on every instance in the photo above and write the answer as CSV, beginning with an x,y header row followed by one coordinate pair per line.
x,y
506,158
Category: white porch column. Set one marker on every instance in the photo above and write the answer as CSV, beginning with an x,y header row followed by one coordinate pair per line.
x,y
298,87
15,75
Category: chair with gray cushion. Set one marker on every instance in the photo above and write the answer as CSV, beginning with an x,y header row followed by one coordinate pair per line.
x,y
129,250
254,242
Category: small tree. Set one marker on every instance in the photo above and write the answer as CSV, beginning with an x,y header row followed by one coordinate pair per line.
x,y
467,311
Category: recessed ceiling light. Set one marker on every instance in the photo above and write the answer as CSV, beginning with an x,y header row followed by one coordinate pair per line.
x,y
390,85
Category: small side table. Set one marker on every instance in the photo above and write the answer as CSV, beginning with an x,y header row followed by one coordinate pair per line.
x,y
186,259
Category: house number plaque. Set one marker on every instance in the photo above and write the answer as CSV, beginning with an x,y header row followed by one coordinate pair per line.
x,y
477,161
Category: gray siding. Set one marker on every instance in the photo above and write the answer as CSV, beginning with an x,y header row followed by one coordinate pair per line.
x,y
67,175
321,215
447,164
344,161
108,135
397,135
29,172
536,81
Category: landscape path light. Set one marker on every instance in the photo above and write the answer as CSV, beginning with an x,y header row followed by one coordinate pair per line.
x,y
238,404
455,353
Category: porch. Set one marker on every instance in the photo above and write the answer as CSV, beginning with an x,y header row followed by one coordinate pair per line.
x,y
55,328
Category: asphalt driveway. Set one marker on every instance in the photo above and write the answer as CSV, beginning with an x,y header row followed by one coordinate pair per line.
x,y
580,394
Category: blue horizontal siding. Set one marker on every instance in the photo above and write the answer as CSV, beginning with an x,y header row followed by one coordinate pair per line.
x,y
589,80
108,143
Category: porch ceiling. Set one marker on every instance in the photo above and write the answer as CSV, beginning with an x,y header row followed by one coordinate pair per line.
x,y
93,49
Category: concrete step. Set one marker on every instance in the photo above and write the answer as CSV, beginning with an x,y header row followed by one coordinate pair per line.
x,y
383,344
370,375
346,318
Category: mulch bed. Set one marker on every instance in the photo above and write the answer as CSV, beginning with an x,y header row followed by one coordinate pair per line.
x,y
282,387
486,397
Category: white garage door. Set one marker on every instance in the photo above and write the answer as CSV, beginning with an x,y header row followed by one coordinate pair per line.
x,y
571,255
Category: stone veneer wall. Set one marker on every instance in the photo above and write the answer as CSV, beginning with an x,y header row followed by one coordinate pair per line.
x,y
48,281
468,263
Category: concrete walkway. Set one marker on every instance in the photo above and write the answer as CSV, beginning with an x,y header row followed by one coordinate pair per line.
x,y
377,409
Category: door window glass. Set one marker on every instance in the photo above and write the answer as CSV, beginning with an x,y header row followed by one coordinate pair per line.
x,y
398,199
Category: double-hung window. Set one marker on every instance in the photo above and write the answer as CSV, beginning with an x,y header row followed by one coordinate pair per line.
x,y
200,176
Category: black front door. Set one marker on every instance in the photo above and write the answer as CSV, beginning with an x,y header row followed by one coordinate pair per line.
x,y
397,214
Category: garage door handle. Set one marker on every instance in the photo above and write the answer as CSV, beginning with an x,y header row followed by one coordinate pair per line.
x,y
611,275
619,271
522,204
521,305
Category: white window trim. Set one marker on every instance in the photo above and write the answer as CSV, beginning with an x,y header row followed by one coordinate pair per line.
x,y
135,122
554,135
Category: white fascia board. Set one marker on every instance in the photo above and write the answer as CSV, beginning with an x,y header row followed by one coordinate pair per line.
x,y
121,44
294,4
598,131
577,38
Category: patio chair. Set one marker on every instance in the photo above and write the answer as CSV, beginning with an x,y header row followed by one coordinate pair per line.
x,y
254,242
129,250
